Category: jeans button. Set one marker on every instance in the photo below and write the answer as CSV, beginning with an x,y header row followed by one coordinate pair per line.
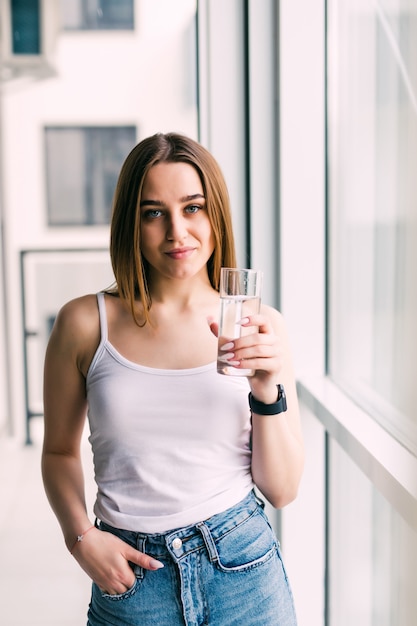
x,y
177,543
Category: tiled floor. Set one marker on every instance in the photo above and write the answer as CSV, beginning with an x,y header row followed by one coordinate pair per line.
x,y
40,583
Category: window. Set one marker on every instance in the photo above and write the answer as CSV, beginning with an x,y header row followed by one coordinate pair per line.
x,y
28,38
97,14
372,552
82,166
372,208
25,16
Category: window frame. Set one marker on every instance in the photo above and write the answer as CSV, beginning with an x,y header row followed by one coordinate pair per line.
x,y
304,265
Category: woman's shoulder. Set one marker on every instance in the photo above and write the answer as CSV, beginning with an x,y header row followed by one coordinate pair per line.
x,y
79,311
76,332
78,322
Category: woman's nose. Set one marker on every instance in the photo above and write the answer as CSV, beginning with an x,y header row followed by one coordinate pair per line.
x,y
177,228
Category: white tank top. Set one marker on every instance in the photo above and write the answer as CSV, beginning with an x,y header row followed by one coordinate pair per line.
x,y
171,447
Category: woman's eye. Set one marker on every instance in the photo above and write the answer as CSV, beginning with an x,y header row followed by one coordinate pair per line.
x,y
193,208
151,214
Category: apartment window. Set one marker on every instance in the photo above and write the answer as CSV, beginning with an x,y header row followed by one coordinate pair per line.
x,y
97,14
25,17
82,167
372,196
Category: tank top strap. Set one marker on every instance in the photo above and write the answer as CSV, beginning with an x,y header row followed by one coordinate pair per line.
x,y
102,315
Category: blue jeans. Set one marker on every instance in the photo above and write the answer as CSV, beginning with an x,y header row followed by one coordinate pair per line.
x,y
225,571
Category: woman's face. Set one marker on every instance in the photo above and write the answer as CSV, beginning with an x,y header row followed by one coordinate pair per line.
x,y
176,234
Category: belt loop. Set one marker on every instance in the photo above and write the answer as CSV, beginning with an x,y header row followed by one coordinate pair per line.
x,y
208,540
259,500
140,545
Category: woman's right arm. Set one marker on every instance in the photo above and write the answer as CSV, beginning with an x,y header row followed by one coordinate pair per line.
x,y
73,341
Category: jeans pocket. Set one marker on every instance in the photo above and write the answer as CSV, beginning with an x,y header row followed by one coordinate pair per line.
x,y
121,596
246,546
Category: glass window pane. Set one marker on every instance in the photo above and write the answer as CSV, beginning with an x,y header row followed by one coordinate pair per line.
x,y
82,166
372,198
65,172
25,16
97,14
372,552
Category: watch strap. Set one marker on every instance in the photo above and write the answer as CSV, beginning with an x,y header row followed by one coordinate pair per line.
x,y
260,408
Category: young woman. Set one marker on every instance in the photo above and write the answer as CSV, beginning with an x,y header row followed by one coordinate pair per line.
x,y
180,536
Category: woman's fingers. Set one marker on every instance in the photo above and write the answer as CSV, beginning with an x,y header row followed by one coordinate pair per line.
x,y
106,559
144,560
124,579
262,322
258,350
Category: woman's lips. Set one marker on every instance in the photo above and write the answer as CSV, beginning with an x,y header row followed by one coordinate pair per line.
x,y
180,253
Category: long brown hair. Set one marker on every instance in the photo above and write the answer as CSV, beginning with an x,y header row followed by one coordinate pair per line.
x,y
130,268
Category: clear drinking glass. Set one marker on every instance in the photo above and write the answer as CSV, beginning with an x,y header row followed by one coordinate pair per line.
x,y
240,296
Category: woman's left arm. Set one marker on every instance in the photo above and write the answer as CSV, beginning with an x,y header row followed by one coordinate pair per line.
x,y
277,441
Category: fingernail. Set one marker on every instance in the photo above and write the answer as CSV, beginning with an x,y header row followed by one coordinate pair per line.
x,y
155,564
227,346
245,320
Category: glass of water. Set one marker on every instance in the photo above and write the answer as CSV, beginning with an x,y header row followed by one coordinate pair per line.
x,y
240,296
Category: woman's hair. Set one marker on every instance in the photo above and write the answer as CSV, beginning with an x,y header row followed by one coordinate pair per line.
x,y
130,268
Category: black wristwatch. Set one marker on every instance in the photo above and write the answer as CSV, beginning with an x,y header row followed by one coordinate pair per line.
x,y
260,408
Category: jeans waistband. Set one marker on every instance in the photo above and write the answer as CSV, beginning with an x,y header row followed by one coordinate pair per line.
x,y
180,542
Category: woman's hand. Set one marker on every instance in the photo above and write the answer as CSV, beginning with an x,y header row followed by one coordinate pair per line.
x,y
105,559
259,351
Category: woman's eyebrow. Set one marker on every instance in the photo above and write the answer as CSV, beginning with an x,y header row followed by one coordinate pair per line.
x,y
158,203
193,196
151,203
